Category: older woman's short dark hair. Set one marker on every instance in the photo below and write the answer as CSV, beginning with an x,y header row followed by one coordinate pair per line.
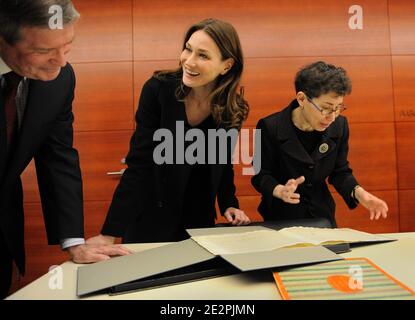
x,y
15,14
320,78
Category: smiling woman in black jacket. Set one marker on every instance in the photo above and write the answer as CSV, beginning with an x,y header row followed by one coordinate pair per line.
x,y
155,200
306,143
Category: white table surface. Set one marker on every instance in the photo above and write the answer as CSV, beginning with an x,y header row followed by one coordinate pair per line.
x,y
396,258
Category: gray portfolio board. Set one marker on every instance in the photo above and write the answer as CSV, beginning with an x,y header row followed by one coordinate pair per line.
x,y
187,260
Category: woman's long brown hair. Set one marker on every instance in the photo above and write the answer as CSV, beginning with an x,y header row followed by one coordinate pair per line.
x,y
227,98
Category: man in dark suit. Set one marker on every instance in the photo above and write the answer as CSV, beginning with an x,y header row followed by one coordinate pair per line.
x,y
36,93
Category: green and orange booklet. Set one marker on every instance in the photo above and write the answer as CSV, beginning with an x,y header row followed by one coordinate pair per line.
x,y
354,278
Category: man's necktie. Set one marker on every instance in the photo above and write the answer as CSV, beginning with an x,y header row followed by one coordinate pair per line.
x,y
12,83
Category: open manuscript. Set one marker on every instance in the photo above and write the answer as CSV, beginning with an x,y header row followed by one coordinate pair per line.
x,y
267,239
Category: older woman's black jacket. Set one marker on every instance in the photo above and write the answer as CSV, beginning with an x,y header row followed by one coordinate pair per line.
x,y
147,205
283,157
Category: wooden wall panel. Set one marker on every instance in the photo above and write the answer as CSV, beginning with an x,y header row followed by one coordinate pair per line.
x,y
405,135
406,210
403,87
95,213
249,204
269,86
372,155
104,31
402,26
359,217
29,181
266,28
243,182
101,152
104,96
371,99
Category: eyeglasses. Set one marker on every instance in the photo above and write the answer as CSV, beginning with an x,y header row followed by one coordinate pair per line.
x,y
326,111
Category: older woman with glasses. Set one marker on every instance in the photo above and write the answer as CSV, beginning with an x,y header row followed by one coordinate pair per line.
x,y
303,145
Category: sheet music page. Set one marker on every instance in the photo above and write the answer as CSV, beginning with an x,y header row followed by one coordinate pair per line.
x,y
252,241
265,240
322,235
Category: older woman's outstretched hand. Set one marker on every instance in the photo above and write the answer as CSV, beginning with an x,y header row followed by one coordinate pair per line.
x,y
287,192
377,207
